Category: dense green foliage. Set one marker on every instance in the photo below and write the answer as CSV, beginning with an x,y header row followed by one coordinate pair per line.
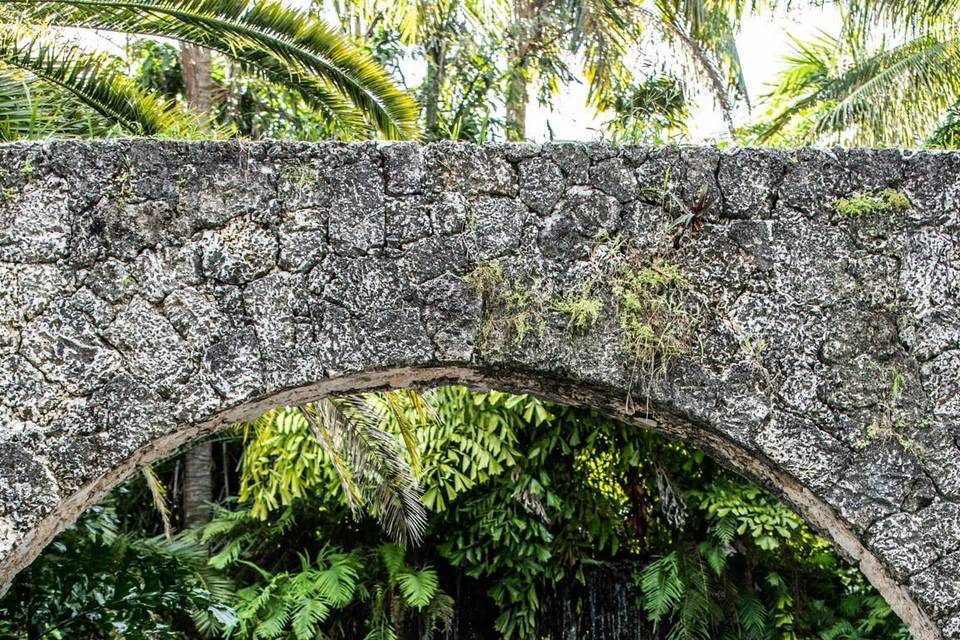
x,y
891,77
485,59
97,581
522,500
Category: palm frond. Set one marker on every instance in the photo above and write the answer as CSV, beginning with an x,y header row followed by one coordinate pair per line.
x,y
31,109
602,31
185,552
372,469
286,45
699,62
418,587
912,14
93,79
947,134
752,616
326,423
892,97
309,614
662,587
158,492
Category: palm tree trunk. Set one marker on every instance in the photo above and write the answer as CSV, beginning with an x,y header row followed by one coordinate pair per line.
x,y
197,79
197,484
517,96
432,85
517,100
196,66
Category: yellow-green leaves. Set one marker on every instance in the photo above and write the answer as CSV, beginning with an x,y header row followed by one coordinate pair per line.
x,y
94,80
281,461
863,204
655,325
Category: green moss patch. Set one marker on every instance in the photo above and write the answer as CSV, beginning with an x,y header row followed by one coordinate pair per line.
x,y
583,308
864,204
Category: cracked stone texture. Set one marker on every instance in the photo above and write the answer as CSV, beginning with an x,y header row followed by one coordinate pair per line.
x,y
152,292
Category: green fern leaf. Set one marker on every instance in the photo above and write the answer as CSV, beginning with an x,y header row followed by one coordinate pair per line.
x,y
307,618
661,587
418,587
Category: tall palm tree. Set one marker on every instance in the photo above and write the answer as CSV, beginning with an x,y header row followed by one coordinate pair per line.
x,y
196,64
699,34
900,89
537,38
281,45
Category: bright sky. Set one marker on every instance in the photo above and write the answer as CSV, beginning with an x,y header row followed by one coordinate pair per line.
x,y
763,42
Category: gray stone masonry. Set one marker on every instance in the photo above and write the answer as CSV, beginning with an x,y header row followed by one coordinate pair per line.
x,y
793,313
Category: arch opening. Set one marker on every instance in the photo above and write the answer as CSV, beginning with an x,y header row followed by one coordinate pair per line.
x,y
609,403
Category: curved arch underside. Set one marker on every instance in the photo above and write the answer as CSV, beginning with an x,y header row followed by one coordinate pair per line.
x,y
152,291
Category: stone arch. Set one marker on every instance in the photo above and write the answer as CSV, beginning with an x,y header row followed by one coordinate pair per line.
x,y
807,334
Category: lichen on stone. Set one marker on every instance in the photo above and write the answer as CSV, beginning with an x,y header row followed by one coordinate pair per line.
x,y
511,308
891,423
583,308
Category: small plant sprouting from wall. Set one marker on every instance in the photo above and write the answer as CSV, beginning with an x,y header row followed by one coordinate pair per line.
x,y
583,308
863,204
515,308
8,195
485,278
301,177
890,425
524,307
655,323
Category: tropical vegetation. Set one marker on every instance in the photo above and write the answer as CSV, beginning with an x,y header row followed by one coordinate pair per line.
x,y
277,45
891,77
377,516
453,513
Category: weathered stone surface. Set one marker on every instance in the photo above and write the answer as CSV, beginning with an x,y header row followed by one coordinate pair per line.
x,y
615,178
572,160
69,349
404,167
34,225
151,291
356,215
238,253
748,180
153,350
234,366
469,169
541,184
496,225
